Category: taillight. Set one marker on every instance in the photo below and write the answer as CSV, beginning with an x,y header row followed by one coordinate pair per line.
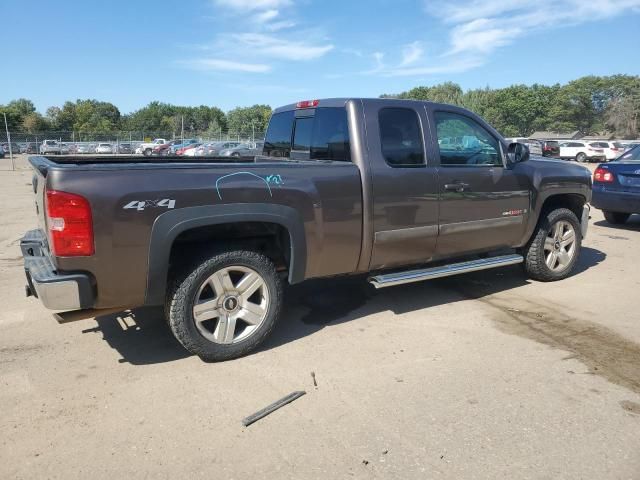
x,y
307,103
70,224
602,175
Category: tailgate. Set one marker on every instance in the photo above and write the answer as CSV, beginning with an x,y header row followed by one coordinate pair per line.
x,y
39,181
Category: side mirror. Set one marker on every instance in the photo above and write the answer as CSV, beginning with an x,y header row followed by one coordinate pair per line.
x,y
517,152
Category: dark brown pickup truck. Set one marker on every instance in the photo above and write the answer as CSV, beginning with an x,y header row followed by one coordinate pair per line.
x,y
404,190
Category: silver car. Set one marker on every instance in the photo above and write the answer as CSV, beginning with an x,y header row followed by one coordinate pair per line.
x,y
213,149
243,150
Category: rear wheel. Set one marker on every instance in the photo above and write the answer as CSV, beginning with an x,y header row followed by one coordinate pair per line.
x,y
555,246
581,157
226,305
617,218
147,152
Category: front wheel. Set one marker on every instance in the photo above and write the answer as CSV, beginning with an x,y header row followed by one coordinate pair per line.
x,y
616,218
553,250
225,306
581,157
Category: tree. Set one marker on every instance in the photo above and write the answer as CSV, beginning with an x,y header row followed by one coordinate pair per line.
x,y
246,120
34,123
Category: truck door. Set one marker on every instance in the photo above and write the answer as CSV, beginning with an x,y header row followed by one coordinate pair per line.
x,y
484,202
405,184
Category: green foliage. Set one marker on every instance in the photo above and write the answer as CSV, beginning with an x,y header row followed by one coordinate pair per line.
x,y
245,119
589,104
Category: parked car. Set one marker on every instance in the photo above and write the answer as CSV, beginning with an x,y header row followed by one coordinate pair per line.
x,y
124,148
32,147
216,244
84,148
616,187
1,152
550,148
104,148
65,149
23,147
243,150
165,149
184,143
189,151
213,149
15,148
50,147
582,151
612,150
147,148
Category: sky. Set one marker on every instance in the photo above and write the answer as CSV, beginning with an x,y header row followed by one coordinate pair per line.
x,y
230,53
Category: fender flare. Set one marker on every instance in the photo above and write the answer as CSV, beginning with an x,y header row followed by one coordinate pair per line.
x,y
169,225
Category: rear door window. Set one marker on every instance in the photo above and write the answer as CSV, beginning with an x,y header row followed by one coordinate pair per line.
x,y
401,137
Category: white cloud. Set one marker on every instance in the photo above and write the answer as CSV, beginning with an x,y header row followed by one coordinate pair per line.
x,y
219,64
411,54
276,47
266,15
481,26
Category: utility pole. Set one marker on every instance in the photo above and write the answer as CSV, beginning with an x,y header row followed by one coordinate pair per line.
x,y
6,126
182,130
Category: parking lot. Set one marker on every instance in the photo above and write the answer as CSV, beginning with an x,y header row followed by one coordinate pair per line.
x,y
486,375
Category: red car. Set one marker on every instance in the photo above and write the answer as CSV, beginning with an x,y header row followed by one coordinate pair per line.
x,y
182,151
163,149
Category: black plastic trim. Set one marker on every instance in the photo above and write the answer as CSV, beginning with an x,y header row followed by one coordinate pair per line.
x,y
169,225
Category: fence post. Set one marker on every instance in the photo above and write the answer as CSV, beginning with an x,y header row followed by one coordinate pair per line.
x,y
6,126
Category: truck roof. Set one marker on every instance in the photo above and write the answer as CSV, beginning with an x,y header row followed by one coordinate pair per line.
x,y
341,102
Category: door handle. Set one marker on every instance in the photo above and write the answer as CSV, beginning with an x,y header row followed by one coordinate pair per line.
x,y
456,186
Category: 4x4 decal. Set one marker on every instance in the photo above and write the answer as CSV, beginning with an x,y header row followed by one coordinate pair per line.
x,y
140,205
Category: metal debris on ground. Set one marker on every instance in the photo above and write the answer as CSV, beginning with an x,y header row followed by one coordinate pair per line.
x,y
313,375
272,408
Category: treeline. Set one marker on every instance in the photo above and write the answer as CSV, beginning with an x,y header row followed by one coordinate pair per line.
x,y
93,116
589,104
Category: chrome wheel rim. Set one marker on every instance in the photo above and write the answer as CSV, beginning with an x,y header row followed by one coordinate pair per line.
x,y
560,246
231,305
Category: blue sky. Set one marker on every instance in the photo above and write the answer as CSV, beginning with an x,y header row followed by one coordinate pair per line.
x,y
231,53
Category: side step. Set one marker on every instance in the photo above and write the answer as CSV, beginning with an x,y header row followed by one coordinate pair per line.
x,y
410,276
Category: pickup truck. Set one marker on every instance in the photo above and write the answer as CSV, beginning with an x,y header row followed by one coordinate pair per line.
x,y
344,186
147,148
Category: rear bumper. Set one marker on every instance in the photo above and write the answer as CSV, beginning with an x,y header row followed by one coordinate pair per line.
x,y
612,201
56,291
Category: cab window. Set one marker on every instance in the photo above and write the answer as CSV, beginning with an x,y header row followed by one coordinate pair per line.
x,y
464,142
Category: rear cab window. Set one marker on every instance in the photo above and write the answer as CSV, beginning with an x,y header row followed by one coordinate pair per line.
x,y
401,137
310,134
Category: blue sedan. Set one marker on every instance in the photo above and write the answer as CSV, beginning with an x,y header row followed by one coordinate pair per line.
x,y
616,187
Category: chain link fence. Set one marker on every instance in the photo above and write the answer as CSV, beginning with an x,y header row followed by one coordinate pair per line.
x,y
26,142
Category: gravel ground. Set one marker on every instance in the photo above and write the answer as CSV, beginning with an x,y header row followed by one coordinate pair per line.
x,y
486,375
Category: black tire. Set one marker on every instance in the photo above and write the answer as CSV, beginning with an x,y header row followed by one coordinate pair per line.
x,y
616,218
183,294
581,157
235,154
147,152
534,256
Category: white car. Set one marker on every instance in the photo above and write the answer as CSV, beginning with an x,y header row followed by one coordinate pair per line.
x,y
50,147
104,148
612,150
582,151
147,148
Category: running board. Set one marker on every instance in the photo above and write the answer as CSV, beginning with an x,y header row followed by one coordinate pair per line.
x,y
410,276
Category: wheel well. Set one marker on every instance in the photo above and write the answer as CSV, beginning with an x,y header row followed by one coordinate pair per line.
x,y
572,201
270,239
